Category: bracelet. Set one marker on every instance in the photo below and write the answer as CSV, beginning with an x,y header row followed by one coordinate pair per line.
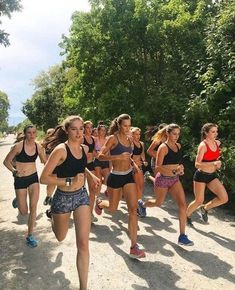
x,y
68,181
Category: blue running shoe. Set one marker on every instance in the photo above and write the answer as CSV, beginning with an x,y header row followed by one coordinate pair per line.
x,y
31,241
15,203
141,210
184,241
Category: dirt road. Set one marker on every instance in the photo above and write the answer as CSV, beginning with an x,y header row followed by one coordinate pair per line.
x,y
209,264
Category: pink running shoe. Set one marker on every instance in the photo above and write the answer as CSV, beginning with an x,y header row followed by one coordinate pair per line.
x,y
106,193
98,209
136,253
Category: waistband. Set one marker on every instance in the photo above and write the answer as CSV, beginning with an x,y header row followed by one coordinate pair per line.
x,y
121,172
78,191
206,173
28,176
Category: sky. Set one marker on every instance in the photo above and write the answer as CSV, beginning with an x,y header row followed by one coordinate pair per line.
x,y
35,33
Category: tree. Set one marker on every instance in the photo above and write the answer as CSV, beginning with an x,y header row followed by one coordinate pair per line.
x,y
136,56
7,7
216,100
4,107
45,108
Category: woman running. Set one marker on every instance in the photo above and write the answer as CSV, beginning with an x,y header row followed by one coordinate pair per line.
x,y
152,150
139,159
102,168
89,141
120,180
207,163
70,160
169,168
21,162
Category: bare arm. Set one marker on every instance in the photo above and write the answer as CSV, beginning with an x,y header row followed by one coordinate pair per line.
x,y
143,155
8,161
151,152
57,156
41,153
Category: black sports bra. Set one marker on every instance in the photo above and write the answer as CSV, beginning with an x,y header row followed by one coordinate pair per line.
x,y
137,150
25,158
91,146
173,157
71,165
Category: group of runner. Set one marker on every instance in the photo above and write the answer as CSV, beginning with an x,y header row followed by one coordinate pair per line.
x,y
74,153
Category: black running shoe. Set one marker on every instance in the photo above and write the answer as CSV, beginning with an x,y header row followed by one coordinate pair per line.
x,y
204,214
47,200
189,222
48,213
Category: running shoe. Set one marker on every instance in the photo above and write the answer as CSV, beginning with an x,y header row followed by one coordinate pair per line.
x,y
147,175
189,222
31,241
98,209
136,253
47,200
204,214
106,193
48,213
141,211
15,203
93,219
183,240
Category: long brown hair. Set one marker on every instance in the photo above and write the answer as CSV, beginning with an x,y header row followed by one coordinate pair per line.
x,y
60,134
206,128
117,122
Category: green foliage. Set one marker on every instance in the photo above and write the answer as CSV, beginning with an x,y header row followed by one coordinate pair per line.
x,y
4,107
7,7
134,56
45,108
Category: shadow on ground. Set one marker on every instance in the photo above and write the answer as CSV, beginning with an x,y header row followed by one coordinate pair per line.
x,y
25,268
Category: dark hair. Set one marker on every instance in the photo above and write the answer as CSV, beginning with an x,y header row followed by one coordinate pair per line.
x,y
28,127
171,127
60,133
152,130
117,122
87,122
100,125
19,137
206,128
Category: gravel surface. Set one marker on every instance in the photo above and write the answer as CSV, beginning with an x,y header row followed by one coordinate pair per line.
x,y
209,264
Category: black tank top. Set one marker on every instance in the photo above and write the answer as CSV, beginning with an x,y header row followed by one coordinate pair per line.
x,y
91,146
24,158
137,150
72,166
172,157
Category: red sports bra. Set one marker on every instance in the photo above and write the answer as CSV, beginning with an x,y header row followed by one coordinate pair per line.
x,y
210,155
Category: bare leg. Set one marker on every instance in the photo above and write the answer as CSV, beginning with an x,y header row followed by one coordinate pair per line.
x,y
131,200
221,194
33,201
199,192
177,192
82,227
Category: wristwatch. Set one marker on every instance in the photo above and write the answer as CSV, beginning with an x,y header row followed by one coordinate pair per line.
x,y
68,181
14,173
174,171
